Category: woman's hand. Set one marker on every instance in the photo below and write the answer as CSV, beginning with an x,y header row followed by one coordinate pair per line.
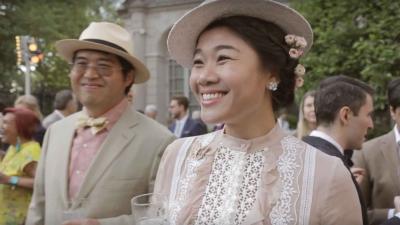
x,y
4,179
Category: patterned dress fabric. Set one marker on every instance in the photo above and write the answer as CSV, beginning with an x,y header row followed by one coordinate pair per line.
x,y
14,201
217,179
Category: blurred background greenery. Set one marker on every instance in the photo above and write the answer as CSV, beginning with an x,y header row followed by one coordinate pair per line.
x,y
47,21
358,38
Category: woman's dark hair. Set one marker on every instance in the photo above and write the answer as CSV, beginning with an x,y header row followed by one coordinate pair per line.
x,y
268,40
26,121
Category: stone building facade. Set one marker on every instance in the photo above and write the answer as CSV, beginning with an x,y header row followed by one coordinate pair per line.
x,y
149,22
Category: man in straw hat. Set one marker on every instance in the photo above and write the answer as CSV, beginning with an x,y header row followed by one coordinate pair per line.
x,y
96,160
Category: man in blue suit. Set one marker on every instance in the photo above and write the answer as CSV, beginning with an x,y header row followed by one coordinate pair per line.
x,y
184,125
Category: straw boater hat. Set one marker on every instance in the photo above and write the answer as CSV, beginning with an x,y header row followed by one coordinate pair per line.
x,y
183,35
107,37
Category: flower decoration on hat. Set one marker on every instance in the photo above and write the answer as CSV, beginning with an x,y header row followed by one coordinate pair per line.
x,y
297,45
299,70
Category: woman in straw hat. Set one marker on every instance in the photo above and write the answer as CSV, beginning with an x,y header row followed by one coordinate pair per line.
x,y
244,60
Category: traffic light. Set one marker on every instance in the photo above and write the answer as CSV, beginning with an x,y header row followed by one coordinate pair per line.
x,y
34,53
18,49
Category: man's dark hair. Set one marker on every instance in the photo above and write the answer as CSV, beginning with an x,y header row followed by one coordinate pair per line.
x,y
182,100
346,79
337,93
126,68
62,98
394,93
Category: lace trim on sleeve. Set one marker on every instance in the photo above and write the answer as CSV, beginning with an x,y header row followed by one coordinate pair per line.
x,y
181,183
289,167
307,186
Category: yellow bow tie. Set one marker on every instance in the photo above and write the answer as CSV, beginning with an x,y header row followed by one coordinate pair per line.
x,y
96,124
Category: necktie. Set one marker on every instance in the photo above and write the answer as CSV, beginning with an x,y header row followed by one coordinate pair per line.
x,y
96,124
347,157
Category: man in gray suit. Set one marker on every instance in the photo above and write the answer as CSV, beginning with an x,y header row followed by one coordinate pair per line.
x,y
94,161
64,105
381,160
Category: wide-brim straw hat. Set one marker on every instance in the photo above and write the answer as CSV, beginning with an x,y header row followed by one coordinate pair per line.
x,y
106,37
184,34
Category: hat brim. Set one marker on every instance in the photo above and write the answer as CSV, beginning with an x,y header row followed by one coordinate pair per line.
x,y
67,47
184,34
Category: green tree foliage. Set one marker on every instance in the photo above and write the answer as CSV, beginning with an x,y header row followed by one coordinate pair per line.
x,y
354,38
48,21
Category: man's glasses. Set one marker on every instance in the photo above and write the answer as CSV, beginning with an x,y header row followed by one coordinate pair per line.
x,y
101,69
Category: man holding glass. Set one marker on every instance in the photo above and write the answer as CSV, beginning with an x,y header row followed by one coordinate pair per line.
x,y
94,161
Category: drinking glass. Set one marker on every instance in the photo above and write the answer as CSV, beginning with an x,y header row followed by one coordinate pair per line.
x,y
150,209
75,213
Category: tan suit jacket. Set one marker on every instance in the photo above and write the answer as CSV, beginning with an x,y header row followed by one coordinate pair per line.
x,y
381,183
124,167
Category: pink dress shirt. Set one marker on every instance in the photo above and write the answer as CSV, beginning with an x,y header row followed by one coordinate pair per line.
x,y
86,145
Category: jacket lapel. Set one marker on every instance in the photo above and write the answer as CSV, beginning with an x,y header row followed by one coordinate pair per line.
x,y
186,127
65,144
120,135
389,151
323,145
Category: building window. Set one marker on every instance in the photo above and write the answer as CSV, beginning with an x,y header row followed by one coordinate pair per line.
x,y
179,84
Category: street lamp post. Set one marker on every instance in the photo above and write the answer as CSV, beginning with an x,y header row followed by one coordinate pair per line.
x,y
27,65
29,52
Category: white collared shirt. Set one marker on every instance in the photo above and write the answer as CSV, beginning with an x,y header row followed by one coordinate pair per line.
x,y
397,138
396,134
320,134
179,124
58,112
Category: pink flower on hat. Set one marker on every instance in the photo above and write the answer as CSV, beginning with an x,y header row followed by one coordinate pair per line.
x,y
300,42
297,43
299,82
299,70
294,53
290,39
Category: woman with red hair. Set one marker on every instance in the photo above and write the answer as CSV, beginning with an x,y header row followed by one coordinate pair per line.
x,y
17,168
